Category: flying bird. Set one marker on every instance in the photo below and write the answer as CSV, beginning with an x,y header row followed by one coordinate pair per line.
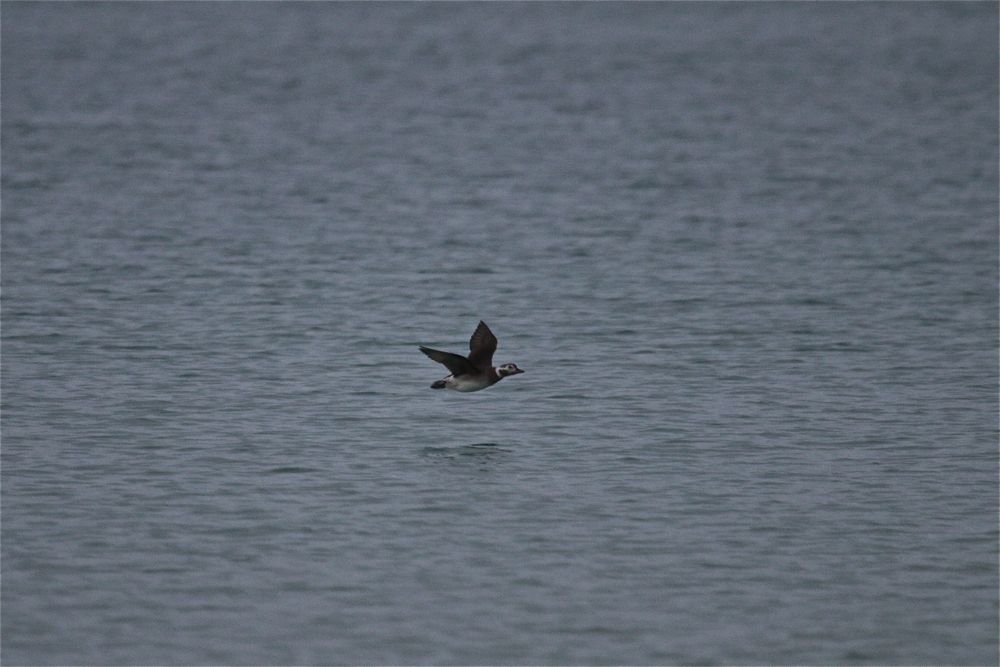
x,y
476,371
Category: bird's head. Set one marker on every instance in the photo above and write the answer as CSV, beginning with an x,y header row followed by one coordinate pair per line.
x,y
508,369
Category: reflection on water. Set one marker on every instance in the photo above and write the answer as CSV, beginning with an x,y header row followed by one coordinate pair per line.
x,y
477,452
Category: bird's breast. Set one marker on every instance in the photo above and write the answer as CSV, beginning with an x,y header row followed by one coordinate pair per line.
x,y
469,382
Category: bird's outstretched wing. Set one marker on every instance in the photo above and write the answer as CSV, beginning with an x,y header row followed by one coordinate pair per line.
x,y
456,363
482,345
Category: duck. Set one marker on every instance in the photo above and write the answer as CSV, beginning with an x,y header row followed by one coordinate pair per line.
x,y
476,371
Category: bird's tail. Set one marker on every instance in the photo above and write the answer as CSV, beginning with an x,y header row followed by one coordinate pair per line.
x,y
440,384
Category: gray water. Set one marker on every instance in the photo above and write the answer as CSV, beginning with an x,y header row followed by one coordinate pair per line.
x,y
746,253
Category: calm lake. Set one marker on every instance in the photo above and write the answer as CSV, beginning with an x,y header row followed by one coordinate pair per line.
x,y
747,255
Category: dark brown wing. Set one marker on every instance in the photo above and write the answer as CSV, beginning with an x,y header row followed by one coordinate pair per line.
x,y
482,345
456,363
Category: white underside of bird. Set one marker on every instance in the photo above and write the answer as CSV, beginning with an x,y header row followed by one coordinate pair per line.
x,y
473,383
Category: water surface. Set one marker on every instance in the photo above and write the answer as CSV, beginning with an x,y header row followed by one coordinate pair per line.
x,y
746,253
